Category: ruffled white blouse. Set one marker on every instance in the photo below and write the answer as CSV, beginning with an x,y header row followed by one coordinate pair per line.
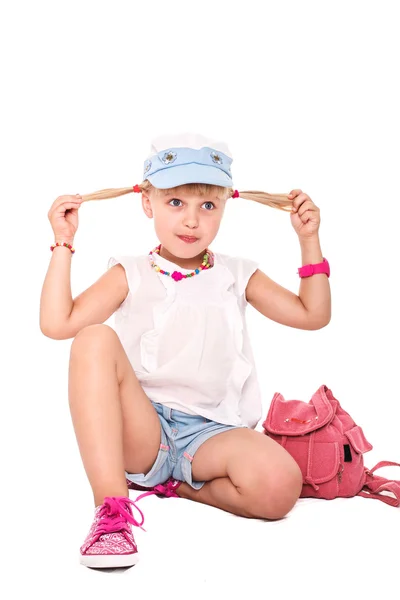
x,y
187,341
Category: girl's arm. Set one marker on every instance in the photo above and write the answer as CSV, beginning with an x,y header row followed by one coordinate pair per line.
x,y
315,291
311,309
56,299
61,317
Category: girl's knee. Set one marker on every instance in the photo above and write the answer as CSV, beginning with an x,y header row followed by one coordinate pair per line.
x,y
97,335
276,493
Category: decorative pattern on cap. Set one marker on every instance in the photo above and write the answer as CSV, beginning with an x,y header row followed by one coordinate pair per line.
x,y
216,158
169,157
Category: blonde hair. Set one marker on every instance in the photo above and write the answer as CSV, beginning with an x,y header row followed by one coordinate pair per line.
x,y
280,201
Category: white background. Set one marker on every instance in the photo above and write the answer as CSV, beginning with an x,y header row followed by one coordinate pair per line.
x,y
306,94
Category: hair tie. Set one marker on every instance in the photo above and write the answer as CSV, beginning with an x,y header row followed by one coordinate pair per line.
x,y
136,188
235,194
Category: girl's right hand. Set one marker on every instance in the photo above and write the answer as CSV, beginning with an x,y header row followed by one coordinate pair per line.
x,y
63,217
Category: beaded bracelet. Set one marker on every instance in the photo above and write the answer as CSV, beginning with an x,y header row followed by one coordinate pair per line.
x,y
62,244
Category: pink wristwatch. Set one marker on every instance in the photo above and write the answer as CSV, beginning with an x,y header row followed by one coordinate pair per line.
x,y
307,270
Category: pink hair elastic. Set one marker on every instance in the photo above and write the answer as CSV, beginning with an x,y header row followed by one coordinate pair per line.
x,y
136,188
235,194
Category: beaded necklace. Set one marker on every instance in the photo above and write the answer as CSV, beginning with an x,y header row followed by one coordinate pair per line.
x,y
208,262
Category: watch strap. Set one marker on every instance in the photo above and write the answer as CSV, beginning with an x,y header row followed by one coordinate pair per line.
x,y
311,269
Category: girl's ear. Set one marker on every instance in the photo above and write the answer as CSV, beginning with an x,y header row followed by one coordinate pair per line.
x,y
147,205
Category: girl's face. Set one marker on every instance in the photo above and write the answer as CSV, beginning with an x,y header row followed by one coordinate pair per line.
x,y
183,214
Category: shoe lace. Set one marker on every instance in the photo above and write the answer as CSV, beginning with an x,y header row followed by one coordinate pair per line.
x,y
114,514
165,489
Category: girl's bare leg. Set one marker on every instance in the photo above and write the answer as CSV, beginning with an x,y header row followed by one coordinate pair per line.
x,y
116,426
246,473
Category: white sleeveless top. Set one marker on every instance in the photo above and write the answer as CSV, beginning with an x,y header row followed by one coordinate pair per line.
x,y
187,341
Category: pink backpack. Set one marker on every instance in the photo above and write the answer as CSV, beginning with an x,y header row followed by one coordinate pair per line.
x,y
328,447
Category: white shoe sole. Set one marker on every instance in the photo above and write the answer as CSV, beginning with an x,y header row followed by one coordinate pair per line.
x,y
109,561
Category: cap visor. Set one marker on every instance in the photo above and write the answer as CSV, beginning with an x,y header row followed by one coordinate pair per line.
x,y
190,173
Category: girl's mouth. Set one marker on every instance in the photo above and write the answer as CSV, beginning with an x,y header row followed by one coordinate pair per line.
x,y
187,239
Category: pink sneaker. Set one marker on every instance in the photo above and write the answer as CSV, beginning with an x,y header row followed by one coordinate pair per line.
x,y
166,489
110,542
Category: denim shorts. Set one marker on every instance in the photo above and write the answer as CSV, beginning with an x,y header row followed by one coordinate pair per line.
x,y
181,435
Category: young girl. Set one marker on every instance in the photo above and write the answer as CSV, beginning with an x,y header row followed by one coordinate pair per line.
x,y
169,401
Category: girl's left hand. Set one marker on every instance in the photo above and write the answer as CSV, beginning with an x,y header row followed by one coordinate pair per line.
x,y
305,215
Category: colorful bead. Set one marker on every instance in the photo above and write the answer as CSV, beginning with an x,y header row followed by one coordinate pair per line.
x,y
177,275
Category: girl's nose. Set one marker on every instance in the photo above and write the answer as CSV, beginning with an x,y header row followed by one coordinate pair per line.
x,y
190,220
190,223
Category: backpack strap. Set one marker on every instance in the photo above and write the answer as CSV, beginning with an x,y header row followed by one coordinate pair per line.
x,y
374,485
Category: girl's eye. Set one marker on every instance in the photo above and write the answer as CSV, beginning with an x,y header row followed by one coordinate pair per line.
x,y
177,200
174,200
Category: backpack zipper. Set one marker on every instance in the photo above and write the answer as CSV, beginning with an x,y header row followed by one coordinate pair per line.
x,y
341,469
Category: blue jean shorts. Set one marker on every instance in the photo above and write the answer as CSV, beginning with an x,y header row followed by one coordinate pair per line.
x,y
181,435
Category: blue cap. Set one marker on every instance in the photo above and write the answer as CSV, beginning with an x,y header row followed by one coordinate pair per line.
x,y
188,158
